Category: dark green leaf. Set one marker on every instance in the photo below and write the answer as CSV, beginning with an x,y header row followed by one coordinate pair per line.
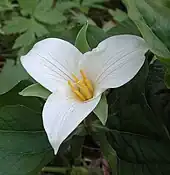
x,y
11,75
76,146
24,146
138,122
108,152
124,27
167,79
30,102
158,94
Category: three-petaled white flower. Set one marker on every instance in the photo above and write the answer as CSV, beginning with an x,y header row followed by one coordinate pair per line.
x,y
77,80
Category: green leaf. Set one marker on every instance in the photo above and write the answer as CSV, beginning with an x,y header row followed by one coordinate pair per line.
x,y
108,152
91,2
29,28
5,5
152,23
63,6
95,35
101,110
30,102
38,29
35,90
52,17
138,123
27,7
35,29
76,144
44,13
158,94
24,40
82,18
81,40
11,75
24,146
118,15
167,79
125,27
16,25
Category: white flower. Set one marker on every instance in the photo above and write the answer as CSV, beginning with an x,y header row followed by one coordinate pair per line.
x,y
77,80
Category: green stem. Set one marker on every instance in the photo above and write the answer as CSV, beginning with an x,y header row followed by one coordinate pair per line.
x,y
64,170
55,169
10,56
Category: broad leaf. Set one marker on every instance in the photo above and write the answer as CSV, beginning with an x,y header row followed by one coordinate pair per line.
x,y
30,102
24,40
138,124
29,29
153,23
16,25
24,146
39,29
63,6
35,29
44,13
27,7
158,94
11,75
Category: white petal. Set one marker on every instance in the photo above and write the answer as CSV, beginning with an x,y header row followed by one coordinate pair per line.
x,y
61,115
115,61
51,62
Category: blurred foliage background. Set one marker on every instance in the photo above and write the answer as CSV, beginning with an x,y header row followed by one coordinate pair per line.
x,y
25,22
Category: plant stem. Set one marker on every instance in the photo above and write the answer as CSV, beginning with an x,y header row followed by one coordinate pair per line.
x,y
64,170
55,169
54,4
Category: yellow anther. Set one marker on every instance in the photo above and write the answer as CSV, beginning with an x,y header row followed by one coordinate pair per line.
x,y
75,78
79,95
89,85
83,74
83,88
87,81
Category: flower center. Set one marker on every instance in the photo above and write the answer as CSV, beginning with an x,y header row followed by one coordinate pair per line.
x,y
82,88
